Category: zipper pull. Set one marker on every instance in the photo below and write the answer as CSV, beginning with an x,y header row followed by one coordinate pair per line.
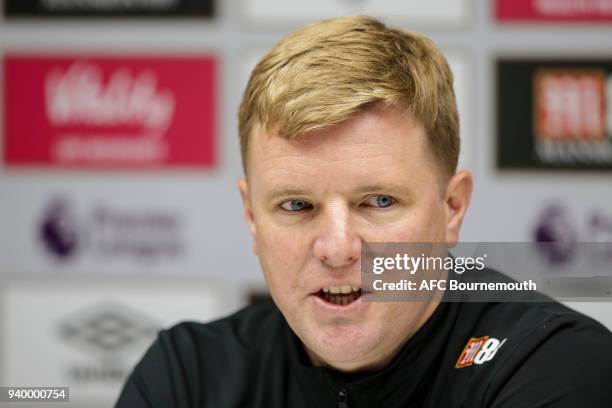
x,y
342,398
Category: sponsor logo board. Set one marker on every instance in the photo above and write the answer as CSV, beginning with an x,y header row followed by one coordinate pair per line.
x,y
88,335
566,11
160,226
565,228
453,12
109,8
107,231
555,114
109,112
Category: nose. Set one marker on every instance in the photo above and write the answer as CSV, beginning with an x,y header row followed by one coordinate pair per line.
x,y
336,244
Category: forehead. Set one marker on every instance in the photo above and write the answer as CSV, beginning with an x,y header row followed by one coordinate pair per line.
x,y
380,142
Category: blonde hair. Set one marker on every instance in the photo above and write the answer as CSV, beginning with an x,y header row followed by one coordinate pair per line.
x,y
329,71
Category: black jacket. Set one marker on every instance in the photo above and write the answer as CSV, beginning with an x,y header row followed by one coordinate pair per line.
x,y
552,356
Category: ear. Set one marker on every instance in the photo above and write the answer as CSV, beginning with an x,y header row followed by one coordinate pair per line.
x,y
248,211
458,195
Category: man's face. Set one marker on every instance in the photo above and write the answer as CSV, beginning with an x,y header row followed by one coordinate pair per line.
x,y
311,202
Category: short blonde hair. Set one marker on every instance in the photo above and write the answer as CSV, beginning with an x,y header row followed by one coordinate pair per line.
x,y
329,71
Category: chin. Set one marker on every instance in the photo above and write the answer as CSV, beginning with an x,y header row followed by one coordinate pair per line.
x,y
340,345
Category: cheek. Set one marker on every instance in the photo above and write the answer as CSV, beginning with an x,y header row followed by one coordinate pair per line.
x,y
416,225
431,219
281,255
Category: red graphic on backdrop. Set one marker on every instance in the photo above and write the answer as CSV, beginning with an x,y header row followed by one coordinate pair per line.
x,y
110,111
582,11
570,104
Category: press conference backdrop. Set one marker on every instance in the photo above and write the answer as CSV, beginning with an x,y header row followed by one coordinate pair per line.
x,y
119,212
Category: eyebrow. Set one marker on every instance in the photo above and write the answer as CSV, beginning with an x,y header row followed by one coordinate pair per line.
x,y
381,187
284,191
287,190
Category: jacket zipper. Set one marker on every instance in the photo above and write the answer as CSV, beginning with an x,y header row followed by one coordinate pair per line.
x,y
342,398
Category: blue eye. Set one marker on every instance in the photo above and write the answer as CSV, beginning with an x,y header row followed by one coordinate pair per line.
x,y
381,201
295,205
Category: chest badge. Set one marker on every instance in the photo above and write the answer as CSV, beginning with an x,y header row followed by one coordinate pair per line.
x,y
479,350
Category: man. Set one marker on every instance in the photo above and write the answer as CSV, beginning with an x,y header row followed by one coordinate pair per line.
x,y
349,134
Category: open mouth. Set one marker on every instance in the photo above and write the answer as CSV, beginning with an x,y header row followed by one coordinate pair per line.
x,y
340,295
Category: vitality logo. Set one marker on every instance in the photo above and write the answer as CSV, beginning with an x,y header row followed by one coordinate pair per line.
x,y
479,350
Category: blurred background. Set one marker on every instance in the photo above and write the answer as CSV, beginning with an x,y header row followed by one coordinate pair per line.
x,y
119,211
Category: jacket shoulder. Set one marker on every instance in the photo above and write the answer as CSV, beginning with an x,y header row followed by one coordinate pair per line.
x,y
547,352
192,361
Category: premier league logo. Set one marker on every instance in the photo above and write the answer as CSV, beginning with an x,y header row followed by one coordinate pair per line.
x,y
82,232
556,229
58,230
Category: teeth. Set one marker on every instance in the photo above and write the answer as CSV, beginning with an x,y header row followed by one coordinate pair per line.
x,y
341,299
346,289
